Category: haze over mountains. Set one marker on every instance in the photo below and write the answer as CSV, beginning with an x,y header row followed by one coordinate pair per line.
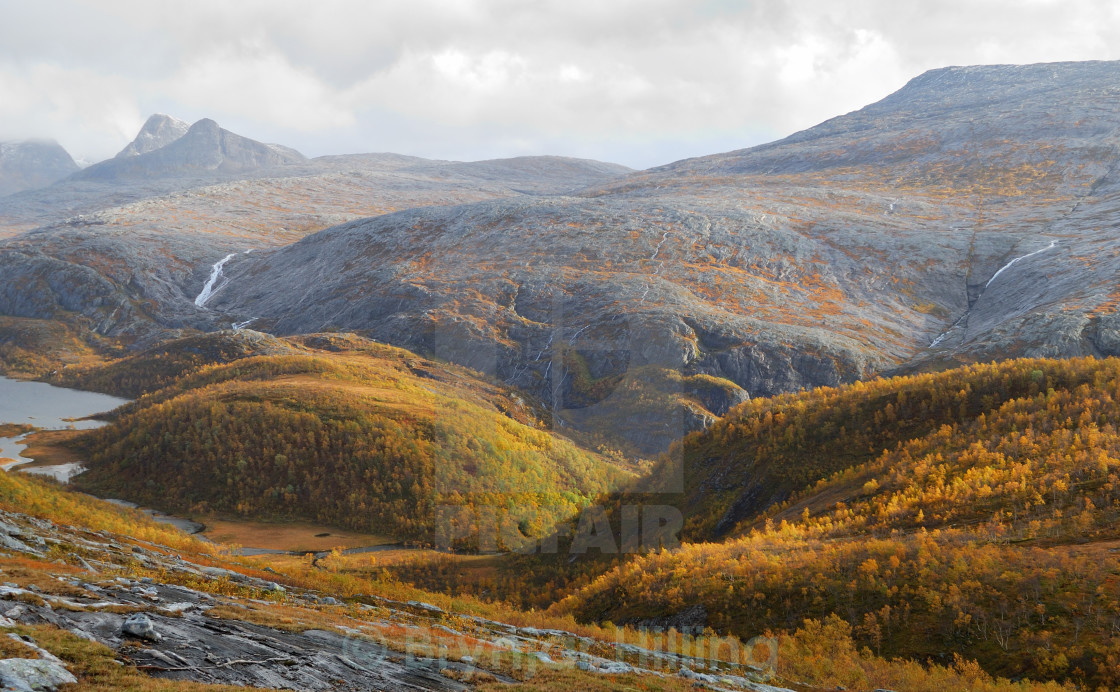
x,y
32,164
953,220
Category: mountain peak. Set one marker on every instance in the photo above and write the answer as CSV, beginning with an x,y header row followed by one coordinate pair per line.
x,y
158,131
204,125
31,164
203,148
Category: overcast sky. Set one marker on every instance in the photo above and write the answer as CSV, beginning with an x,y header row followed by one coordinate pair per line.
x,y
639,82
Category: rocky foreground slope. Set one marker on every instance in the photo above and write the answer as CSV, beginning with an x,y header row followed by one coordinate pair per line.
x,y
142,604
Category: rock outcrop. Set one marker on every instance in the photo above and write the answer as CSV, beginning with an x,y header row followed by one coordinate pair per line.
x,y
180,632
158,131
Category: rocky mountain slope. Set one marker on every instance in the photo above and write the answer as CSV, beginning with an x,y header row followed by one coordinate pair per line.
x,y
32,164
869,243
102,596
127,257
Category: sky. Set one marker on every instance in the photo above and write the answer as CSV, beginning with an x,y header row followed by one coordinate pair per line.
x,y
637,82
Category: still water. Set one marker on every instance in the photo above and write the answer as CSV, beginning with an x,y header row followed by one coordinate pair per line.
x,y
48,408
51,408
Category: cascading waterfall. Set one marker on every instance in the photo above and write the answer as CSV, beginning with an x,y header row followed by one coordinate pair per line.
x,y
215,274
1053,244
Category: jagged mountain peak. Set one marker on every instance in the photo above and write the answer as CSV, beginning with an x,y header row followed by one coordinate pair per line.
x,y
203,149
158,131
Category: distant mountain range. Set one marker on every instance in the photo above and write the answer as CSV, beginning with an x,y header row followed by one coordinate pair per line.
x,y
971,215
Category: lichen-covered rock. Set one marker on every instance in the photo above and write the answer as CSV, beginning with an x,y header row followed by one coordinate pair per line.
x,y
33,675
140,626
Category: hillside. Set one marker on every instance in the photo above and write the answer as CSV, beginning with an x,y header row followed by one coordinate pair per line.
x,y
344,432
77,570
973,510
896,237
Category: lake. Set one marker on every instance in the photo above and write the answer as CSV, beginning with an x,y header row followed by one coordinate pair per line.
x,y
48,408
51,408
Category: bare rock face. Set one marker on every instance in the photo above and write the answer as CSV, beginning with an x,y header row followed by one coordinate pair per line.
x,y
158,131
32,164
34,675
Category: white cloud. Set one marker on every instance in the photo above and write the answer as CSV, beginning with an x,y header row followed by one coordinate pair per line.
x,y
252,80
87,112
643,81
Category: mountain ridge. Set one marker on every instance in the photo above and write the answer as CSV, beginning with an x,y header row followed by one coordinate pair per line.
x,y
203,148
816,260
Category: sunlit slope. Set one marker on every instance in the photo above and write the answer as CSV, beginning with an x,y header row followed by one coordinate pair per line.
x,y
361,435
150,370
970,511
879,240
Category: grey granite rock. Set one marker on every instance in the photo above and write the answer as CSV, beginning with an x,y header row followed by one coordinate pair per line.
x,y
33,675
140,626
158,131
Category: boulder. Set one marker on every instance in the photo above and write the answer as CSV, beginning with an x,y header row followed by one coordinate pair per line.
x,y
33,675
140,626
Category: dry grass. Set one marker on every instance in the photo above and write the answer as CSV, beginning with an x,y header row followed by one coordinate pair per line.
x,y
46,448
14,429
550,679
290,536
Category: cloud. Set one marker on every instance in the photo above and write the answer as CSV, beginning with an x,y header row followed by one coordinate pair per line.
x,y
641,81
251,79
82,109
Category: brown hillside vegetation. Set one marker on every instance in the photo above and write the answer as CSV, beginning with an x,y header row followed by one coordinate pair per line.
x,y
973,511
155,368
814,657
364,436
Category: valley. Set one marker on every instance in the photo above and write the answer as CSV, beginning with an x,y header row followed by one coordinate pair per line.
x,y
840,410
